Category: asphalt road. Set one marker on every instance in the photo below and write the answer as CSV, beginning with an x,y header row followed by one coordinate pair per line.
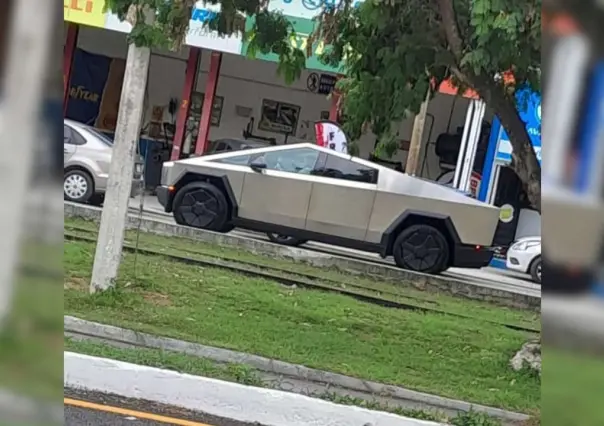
x,y
94,409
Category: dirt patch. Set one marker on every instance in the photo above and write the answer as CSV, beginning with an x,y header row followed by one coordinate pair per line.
x,y
75,283
157,299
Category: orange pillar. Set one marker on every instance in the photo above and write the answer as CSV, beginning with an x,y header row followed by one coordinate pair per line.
x,y
335,100
185,104
68,51
208,101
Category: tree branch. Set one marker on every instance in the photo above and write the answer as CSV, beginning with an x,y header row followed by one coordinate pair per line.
x,y
451,28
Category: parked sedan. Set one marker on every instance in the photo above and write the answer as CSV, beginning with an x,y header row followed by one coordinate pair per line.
x,y
313,193
525,256
86,158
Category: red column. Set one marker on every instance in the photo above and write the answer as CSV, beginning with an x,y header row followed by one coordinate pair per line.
x,y
333,109
335,99
208,101
185,104
70,47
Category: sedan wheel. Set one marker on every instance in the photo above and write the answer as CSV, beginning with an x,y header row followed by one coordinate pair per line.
x,y
421,248
77,186
535,270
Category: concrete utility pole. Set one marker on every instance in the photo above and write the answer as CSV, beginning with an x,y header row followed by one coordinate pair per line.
x,y
416,138
24,67
113,219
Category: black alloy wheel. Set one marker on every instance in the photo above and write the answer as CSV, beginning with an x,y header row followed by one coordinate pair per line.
x,y
422,248
285,239
201,205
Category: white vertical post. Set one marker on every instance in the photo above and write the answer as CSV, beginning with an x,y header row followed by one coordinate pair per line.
x,y
113,219
563,97
463,145
473,139
20,108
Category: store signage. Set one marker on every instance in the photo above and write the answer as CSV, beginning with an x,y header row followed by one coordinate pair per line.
x,y
330,135
200,35
322,84
529,108
85,12
306,9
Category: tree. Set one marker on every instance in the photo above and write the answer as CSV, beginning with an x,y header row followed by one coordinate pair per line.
x,y
394,51
391,52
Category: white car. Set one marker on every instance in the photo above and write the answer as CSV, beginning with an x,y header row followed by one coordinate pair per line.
x,y
525,256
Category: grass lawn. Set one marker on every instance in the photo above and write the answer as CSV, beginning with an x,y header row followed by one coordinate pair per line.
x,y
435,353
31,344
403,292
574,391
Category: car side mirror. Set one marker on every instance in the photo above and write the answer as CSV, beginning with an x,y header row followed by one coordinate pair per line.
x,y
258,166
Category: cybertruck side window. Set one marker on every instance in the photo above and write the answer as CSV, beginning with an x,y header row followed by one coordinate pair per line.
x,y
340,168
239,160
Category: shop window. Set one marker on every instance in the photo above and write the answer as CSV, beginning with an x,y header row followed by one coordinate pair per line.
x,y
279,117
340,168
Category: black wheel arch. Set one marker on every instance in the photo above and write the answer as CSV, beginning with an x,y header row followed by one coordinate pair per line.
x,y
220,182
414,217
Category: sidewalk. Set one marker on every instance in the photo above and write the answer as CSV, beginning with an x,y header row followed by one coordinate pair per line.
x,y
217,398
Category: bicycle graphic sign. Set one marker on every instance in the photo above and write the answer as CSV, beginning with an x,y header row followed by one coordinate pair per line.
x,y
307,9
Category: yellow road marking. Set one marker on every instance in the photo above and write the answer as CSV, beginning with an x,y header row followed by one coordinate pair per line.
x,y
131,413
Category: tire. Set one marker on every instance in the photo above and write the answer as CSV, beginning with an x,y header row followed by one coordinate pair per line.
x,y
285,240
78,186
97,199
201,205
421,248
535,270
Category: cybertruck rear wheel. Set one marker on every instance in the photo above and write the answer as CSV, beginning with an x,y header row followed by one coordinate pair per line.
x,y
421,248
285,240
201,205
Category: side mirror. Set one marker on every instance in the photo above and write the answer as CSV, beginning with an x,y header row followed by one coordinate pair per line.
x,y
258,166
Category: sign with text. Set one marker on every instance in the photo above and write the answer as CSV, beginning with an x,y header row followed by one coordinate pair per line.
x,y
306,9
529,108
85,12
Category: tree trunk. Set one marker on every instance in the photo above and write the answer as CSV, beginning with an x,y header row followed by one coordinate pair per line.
x,y
525,162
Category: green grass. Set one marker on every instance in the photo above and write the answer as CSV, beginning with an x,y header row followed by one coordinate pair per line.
x,y
574,391
403,292
245,375
435,353
31,343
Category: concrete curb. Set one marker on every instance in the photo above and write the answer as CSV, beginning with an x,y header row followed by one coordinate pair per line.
x,y
398,396
222,399
424,282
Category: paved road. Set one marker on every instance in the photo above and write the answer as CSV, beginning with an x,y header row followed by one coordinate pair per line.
x,y
485,277
94,409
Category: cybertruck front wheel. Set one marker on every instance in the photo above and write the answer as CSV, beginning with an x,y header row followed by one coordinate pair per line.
x,y
201,205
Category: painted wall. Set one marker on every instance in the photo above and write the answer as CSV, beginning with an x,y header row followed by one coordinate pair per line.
x,y
245,83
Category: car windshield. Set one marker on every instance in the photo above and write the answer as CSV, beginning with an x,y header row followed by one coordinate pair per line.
x,y
100,135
